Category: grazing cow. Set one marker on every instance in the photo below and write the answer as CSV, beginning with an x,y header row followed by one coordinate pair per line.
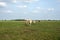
x,y
28,22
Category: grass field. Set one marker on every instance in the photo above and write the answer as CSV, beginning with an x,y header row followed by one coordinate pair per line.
x,y
17,30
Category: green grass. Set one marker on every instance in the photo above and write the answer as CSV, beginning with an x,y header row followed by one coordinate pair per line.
x,y
16,30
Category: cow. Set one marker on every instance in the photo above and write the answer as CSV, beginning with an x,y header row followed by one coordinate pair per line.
x,y
29,22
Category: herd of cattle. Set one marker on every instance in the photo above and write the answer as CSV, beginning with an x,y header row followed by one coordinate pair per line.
x,y
29,21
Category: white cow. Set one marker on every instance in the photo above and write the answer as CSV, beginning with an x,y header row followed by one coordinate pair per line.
x,y
29,22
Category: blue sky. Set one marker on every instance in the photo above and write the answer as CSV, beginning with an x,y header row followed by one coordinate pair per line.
x,y
32,9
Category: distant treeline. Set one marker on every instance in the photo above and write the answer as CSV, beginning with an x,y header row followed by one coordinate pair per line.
x,y
19,20
24,20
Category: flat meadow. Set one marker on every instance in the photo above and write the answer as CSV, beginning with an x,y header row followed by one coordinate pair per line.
x,y
18,30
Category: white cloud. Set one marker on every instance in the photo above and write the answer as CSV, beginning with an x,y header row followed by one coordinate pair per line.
x,y
43,10
50,9
3,4
35,11
14,1
8,11
25,12
29,1
38,8
22,6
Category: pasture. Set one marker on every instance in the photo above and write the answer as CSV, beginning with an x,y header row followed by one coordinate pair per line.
x,y
17,30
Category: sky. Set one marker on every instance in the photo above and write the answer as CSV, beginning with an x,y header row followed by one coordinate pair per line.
x,y
30,9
